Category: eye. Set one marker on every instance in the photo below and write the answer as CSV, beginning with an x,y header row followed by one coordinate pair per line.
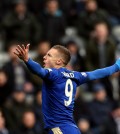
x,y
49,55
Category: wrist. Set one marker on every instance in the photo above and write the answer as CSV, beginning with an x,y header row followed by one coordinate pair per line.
x,y
26,60
118,63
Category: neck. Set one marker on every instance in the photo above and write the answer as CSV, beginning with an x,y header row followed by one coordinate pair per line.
x,y
59,66
102,39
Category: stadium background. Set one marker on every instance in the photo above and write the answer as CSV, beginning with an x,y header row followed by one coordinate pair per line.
x,y
90,30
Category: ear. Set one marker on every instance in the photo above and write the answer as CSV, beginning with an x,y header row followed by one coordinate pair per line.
x,y
59,61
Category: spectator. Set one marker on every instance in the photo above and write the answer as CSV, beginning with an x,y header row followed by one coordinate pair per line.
x,y
16,71
80,107
38,111
101,47
72,35
28,124
99,108
84,126
53,22
5,7
113,8
111,126
15,107
42,48
4,87
77,61
3,129
88,18
69,9
20,25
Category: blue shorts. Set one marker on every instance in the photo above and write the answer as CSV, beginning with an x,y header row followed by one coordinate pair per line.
x,y
66,129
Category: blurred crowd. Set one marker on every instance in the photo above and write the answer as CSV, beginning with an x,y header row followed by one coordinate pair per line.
x,y
90,29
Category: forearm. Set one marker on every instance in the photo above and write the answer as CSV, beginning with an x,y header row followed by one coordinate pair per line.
x,y
104,72
36,68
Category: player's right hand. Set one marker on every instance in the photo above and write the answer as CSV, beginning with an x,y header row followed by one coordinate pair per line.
x,y
22,52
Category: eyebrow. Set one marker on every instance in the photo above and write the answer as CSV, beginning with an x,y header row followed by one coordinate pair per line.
x,y
49,54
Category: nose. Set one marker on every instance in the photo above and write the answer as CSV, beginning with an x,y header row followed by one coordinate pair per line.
x,y
44,57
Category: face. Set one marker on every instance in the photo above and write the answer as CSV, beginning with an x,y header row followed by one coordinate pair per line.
x,y
19,96
101,31
73,48
29,119
52,6
116,113
2,122
43,48
20,8
91,6
83,125
3,79
39,97
12,49
52,58
100,95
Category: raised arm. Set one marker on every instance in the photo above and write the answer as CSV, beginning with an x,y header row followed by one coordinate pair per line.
x,y
22,53
104,72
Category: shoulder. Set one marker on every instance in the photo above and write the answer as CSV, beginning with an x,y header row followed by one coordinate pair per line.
x,y
52,72
55,74
80,74
8,16
102,12
51,69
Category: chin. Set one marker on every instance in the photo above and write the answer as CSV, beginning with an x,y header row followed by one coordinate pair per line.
x,y
45,66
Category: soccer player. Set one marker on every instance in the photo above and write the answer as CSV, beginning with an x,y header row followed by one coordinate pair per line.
x,y
59,86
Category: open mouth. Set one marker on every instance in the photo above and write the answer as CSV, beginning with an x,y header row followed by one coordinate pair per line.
x,y
44,63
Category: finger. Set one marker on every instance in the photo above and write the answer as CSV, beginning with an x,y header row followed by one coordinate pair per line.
x,y
20,49
27,47
16,54
19,52
23,47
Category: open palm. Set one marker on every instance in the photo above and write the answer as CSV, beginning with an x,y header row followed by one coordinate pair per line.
x,y
22,52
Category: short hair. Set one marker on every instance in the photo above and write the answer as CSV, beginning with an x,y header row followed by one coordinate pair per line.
x,y
102,23
64,52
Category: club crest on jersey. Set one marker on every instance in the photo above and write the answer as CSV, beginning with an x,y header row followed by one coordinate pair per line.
x,y
84,74
49,69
